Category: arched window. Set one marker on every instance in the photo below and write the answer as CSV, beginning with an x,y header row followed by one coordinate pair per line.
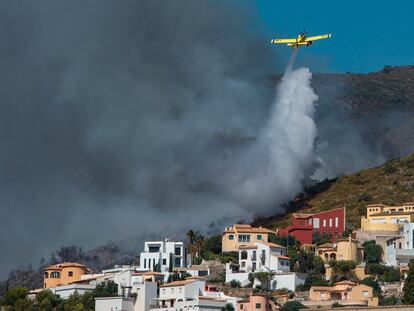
x,y
70,273
243,255
55,275
46,275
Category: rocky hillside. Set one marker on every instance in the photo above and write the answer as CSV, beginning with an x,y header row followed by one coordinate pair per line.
x,y
391,183
380,103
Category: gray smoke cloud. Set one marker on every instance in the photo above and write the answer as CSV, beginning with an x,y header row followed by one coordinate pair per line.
x,y
114,116
142,117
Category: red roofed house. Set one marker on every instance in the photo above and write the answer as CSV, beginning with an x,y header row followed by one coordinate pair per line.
x,y
302,227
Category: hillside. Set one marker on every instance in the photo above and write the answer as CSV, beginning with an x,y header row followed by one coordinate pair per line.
x,y
391,183
381,105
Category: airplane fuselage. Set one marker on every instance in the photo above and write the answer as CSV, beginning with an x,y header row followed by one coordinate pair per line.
x,y
300,41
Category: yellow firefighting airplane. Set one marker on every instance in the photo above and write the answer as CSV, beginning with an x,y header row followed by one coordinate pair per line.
x,y
301,40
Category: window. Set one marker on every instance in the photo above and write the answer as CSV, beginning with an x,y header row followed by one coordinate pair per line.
x,y
259,237
145,264
164,261
323,294
202,272
244,238
243,255
330,222
55,275
177,262
254,266
258,305
231,237
316,223
365,293
177,251
336,222
243,264
153,248
254,257
46,275
241,306
70,273
324,222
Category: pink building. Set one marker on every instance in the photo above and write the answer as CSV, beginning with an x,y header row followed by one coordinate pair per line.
x,y
256,302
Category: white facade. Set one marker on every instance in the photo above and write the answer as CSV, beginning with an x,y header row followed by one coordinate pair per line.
x,y
399,250
196,304
261,257
264,257
65,291
287,280
167,255
189,294
114,304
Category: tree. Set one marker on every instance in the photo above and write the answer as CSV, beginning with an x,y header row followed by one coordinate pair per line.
x,y
228,307
292,306
211,245
372,252
235,284
264,278
45,305
384,273
288,241
389,301
408,289
318,265
343,270
313,279
106,289
13,295
47,294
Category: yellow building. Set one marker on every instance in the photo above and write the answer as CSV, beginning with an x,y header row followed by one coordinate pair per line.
x,y
343,249
344,292
384,218
63,274
243,235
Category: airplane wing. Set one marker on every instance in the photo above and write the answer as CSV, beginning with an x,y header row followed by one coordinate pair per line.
x,y
314,38
283,41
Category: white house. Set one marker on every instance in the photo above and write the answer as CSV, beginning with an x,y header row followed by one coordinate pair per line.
x,y
114,304
400,250
137,298
264,257
188,294
164,255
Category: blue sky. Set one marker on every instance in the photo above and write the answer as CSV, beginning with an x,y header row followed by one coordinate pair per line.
x,y
366,34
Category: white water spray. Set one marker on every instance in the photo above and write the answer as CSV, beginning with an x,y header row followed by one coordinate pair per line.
x,y
283,155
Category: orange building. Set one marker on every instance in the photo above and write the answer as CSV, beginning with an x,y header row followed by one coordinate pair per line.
x,y
63,274
256,302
